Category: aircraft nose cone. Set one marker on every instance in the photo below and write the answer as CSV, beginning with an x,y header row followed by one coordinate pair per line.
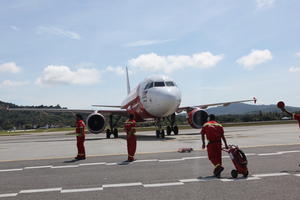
x,y
165,103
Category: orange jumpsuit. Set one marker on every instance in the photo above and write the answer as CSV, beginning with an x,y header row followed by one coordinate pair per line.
x,y
297,117
131,138
80,136
214,132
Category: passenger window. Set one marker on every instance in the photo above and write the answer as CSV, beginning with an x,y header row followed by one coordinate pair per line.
x,y
159,84
170,83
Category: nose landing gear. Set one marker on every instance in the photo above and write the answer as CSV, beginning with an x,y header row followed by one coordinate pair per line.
x,y
112,130
160,132
173,127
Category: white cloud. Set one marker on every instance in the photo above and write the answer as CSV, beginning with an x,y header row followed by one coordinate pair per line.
x,y
10,67
57,31
53,75
265,3
14,28
256,57
154,62
9,83
294,69
146,43
118,70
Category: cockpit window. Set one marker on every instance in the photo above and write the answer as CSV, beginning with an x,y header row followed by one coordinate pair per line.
x,y
159,84
149,85
170,83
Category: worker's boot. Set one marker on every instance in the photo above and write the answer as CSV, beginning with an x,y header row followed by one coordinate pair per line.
x,y
218,170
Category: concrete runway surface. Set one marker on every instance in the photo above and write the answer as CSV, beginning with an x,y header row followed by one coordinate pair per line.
x,y
40,166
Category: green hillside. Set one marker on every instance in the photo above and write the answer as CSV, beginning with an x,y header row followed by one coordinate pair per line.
x,y
27,120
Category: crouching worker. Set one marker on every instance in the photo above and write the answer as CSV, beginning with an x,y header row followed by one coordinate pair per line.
x,y
129,127
80,136
214,133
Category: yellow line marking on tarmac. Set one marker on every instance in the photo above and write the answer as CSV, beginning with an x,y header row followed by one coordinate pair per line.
x,y
144,153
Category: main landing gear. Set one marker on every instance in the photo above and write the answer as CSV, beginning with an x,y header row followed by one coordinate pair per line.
x,y
160,132
112,124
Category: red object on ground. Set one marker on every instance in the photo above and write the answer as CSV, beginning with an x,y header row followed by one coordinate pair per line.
x,y
239,160
280,104
184,150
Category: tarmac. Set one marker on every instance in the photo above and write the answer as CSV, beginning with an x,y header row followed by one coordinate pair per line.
x,y
41,166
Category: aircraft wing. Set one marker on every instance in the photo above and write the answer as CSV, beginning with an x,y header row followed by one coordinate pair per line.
x,y
204,106
105,112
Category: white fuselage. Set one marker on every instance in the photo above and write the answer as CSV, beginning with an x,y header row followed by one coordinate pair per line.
x,y
156,96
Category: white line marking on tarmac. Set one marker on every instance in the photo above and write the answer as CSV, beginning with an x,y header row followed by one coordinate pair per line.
x,y
11,170
269,154
283,152
64,166
121,185
39,167
150,160
239,179
271,174
40,190
82,190
109,164
192,158
250,154
191,180
9,195
171,160
90,164
163,184
297,175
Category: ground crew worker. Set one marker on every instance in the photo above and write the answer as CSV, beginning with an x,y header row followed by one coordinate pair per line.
x,y
281,106
214,132
80,136
129,127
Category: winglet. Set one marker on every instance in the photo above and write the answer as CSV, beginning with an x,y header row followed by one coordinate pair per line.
x,y
254,100
127,79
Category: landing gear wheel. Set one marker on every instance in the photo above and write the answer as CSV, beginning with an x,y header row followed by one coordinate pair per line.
x,y
115,133
246,174
234,173
169,130
108,133
157,133
162,133
175,130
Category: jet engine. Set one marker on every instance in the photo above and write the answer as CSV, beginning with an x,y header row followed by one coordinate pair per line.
x,y
95,123
197,117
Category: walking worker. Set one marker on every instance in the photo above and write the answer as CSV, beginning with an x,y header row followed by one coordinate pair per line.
x,y
214,133
80,136
281,106
129,127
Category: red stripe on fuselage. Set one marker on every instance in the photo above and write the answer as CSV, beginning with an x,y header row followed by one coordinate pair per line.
x,y
136,107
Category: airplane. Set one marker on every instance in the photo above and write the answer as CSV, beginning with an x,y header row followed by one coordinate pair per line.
x,y
155,98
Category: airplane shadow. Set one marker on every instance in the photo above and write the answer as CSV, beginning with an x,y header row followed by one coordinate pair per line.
x,y
147,138
71,161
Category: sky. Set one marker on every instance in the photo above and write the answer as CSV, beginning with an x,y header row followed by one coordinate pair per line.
x,y
73,52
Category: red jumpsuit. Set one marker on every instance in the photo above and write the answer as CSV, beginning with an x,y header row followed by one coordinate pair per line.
x,y
214,132
297,117
80,136
131,138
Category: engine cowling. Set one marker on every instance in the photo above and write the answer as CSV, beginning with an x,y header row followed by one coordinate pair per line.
x,y
95,123
197,117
